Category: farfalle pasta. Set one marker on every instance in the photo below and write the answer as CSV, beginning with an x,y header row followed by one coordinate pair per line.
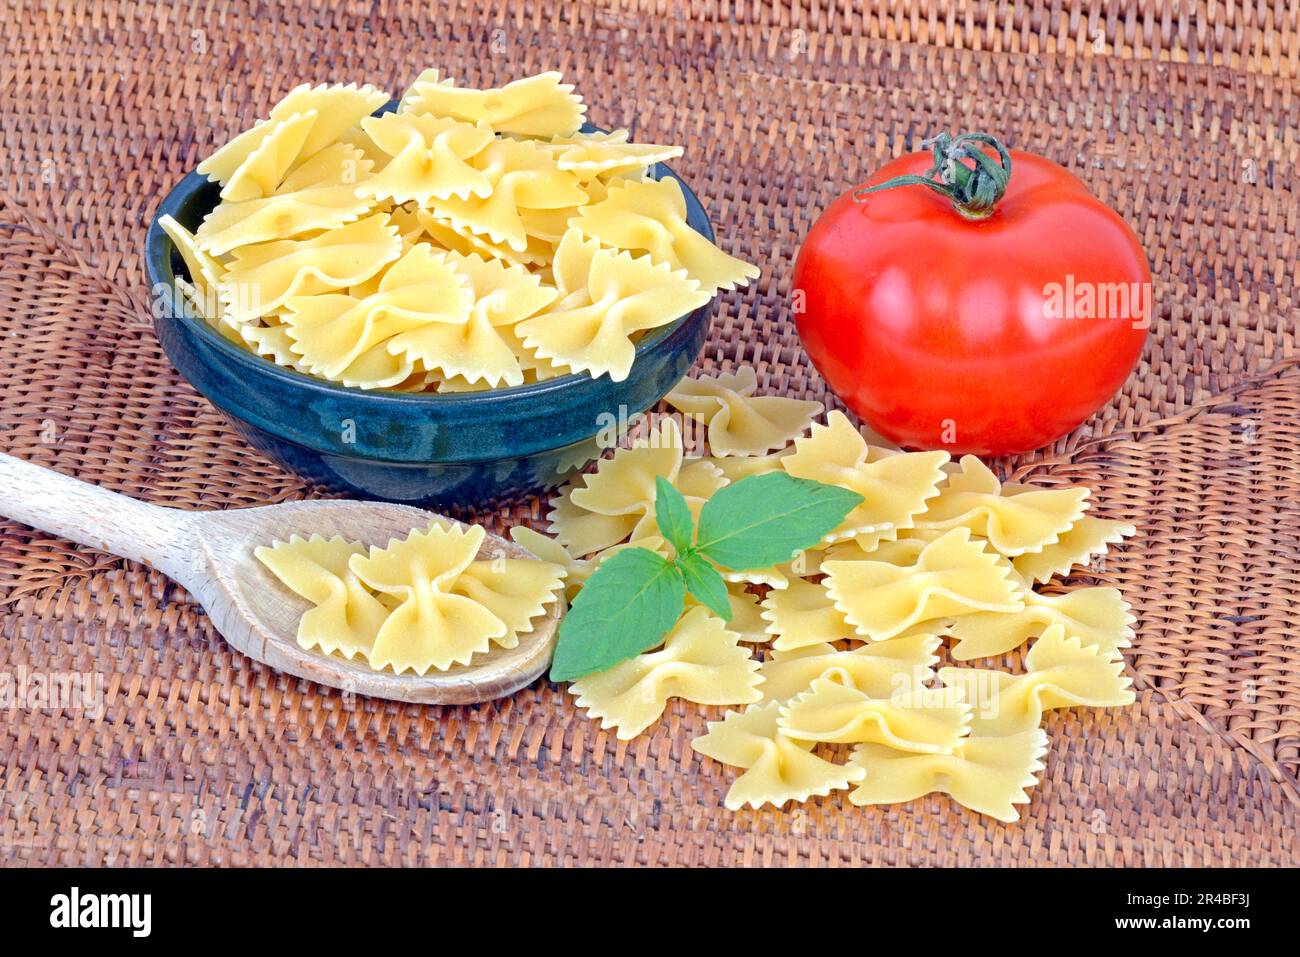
x,y
879,670
518,176
1080,544
1096,616
849,635
319,195
430,159
700,661
261,278
324,199
369,341
606,154
539,105
952,576
739,422
777,768
345,615
1013,524
988,775
928,720
605,299
422,603
804,614
650,217
895,486
603,508
480,347
332,111
1060,672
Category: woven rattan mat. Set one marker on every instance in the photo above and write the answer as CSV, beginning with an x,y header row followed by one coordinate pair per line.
x,y
1185,117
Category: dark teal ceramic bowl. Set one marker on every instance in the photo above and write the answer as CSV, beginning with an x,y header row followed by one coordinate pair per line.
x,y
458,449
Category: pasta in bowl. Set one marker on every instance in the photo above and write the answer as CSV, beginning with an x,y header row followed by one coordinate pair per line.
x,y
441,300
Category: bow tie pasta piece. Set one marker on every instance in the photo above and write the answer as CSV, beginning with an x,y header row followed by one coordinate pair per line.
x,y
503,295
927,720
1096,616
272,342
900,551
592,331
746,620
803,614
348,340
737,467
1080,544
651,216
515,590
624,484
430,158
987,775
700,661
536,369
617,500
279,216
547,225
538,105
520,175
895,488
334,110
430,75
261,172
584,532
588,155
261,278
445,234
739,422
777,768
1015,524
430,627
880,670
602,508
1061,673
573,571
346,617
202,287
411,231
318,194
339,165
952,576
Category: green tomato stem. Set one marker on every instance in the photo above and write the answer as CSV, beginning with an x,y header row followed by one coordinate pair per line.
x,y
974,191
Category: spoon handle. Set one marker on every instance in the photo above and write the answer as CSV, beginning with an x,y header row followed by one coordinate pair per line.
x,y
93,516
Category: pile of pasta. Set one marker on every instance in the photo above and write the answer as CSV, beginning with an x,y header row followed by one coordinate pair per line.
x,y
423,602
471,240
938,551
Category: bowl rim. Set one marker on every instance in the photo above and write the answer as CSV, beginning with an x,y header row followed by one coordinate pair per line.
x,y
158,253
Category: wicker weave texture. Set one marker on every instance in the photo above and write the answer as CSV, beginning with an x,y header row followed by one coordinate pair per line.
x,y
1184,116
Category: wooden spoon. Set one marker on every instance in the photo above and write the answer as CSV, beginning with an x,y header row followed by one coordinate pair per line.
x,y
211,555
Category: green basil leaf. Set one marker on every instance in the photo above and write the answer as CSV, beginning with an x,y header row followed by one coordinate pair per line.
x,y
706,584
673,516
627,605
764,520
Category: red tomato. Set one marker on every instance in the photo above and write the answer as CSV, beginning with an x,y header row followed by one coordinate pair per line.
x,y
973,335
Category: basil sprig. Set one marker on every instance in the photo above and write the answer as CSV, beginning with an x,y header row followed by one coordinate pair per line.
x,y
636,595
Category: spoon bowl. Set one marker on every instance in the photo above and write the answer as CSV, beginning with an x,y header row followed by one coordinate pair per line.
x,y
210,553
